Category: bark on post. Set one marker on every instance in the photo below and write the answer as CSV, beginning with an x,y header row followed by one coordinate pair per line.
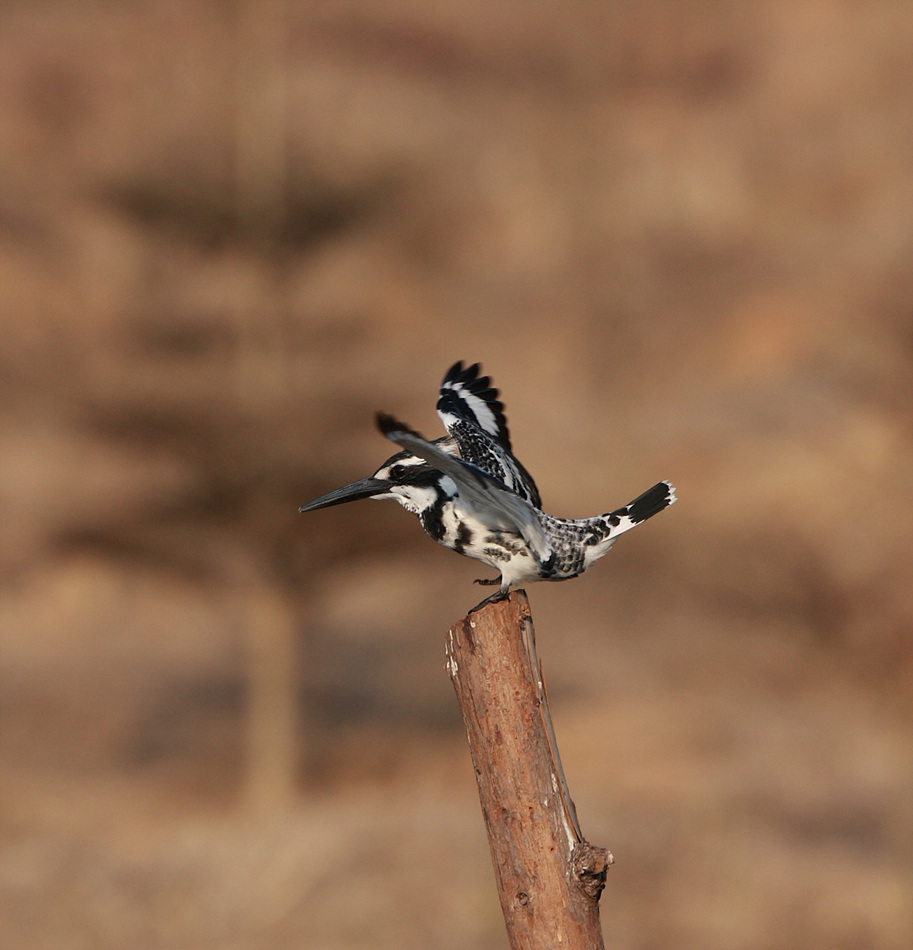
x,y
549,878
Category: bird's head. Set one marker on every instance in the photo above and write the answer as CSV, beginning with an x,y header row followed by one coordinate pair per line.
x,y
407,478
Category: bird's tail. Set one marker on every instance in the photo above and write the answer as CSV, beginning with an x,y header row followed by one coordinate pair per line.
x,y
644,506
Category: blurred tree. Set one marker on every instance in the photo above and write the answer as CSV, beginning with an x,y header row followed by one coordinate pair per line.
x,y
261,345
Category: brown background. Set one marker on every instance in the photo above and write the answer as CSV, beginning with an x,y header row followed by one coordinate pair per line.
x,y
678,233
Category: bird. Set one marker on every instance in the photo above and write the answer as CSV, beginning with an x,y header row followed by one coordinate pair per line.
x,y
472,495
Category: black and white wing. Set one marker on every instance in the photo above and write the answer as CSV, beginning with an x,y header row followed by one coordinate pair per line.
x,y
472,398
474,416
480,493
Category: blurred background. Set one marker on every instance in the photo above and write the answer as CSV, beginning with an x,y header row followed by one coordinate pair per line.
x,y
678,235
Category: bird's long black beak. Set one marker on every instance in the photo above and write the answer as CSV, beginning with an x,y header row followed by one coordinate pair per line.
x,y
363,488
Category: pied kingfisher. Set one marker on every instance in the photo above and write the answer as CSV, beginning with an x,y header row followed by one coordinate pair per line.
x,y
472,495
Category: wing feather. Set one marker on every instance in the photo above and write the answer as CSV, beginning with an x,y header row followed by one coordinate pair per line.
x,y
466,395
474,416
494,504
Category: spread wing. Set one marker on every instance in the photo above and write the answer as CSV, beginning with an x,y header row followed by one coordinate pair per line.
x,y
474,416
469,397
480,493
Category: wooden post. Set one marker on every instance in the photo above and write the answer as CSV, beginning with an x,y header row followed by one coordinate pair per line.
x,y
549,878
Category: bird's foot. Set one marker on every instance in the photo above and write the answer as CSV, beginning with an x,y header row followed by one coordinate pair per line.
x,y
493,599
487,581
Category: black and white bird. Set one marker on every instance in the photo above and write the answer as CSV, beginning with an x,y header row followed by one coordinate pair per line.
x,y
472,495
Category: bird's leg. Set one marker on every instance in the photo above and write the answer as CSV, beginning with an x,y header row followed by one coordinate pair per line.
x,y
487,581
501,594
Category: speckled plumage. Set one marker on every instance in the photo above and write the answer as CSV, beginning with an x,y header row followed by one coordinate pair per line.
x,y
474,417
472,495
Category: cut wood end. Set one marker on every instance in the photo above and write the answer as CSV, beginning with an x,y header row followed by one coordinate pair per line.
x,y
515,602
